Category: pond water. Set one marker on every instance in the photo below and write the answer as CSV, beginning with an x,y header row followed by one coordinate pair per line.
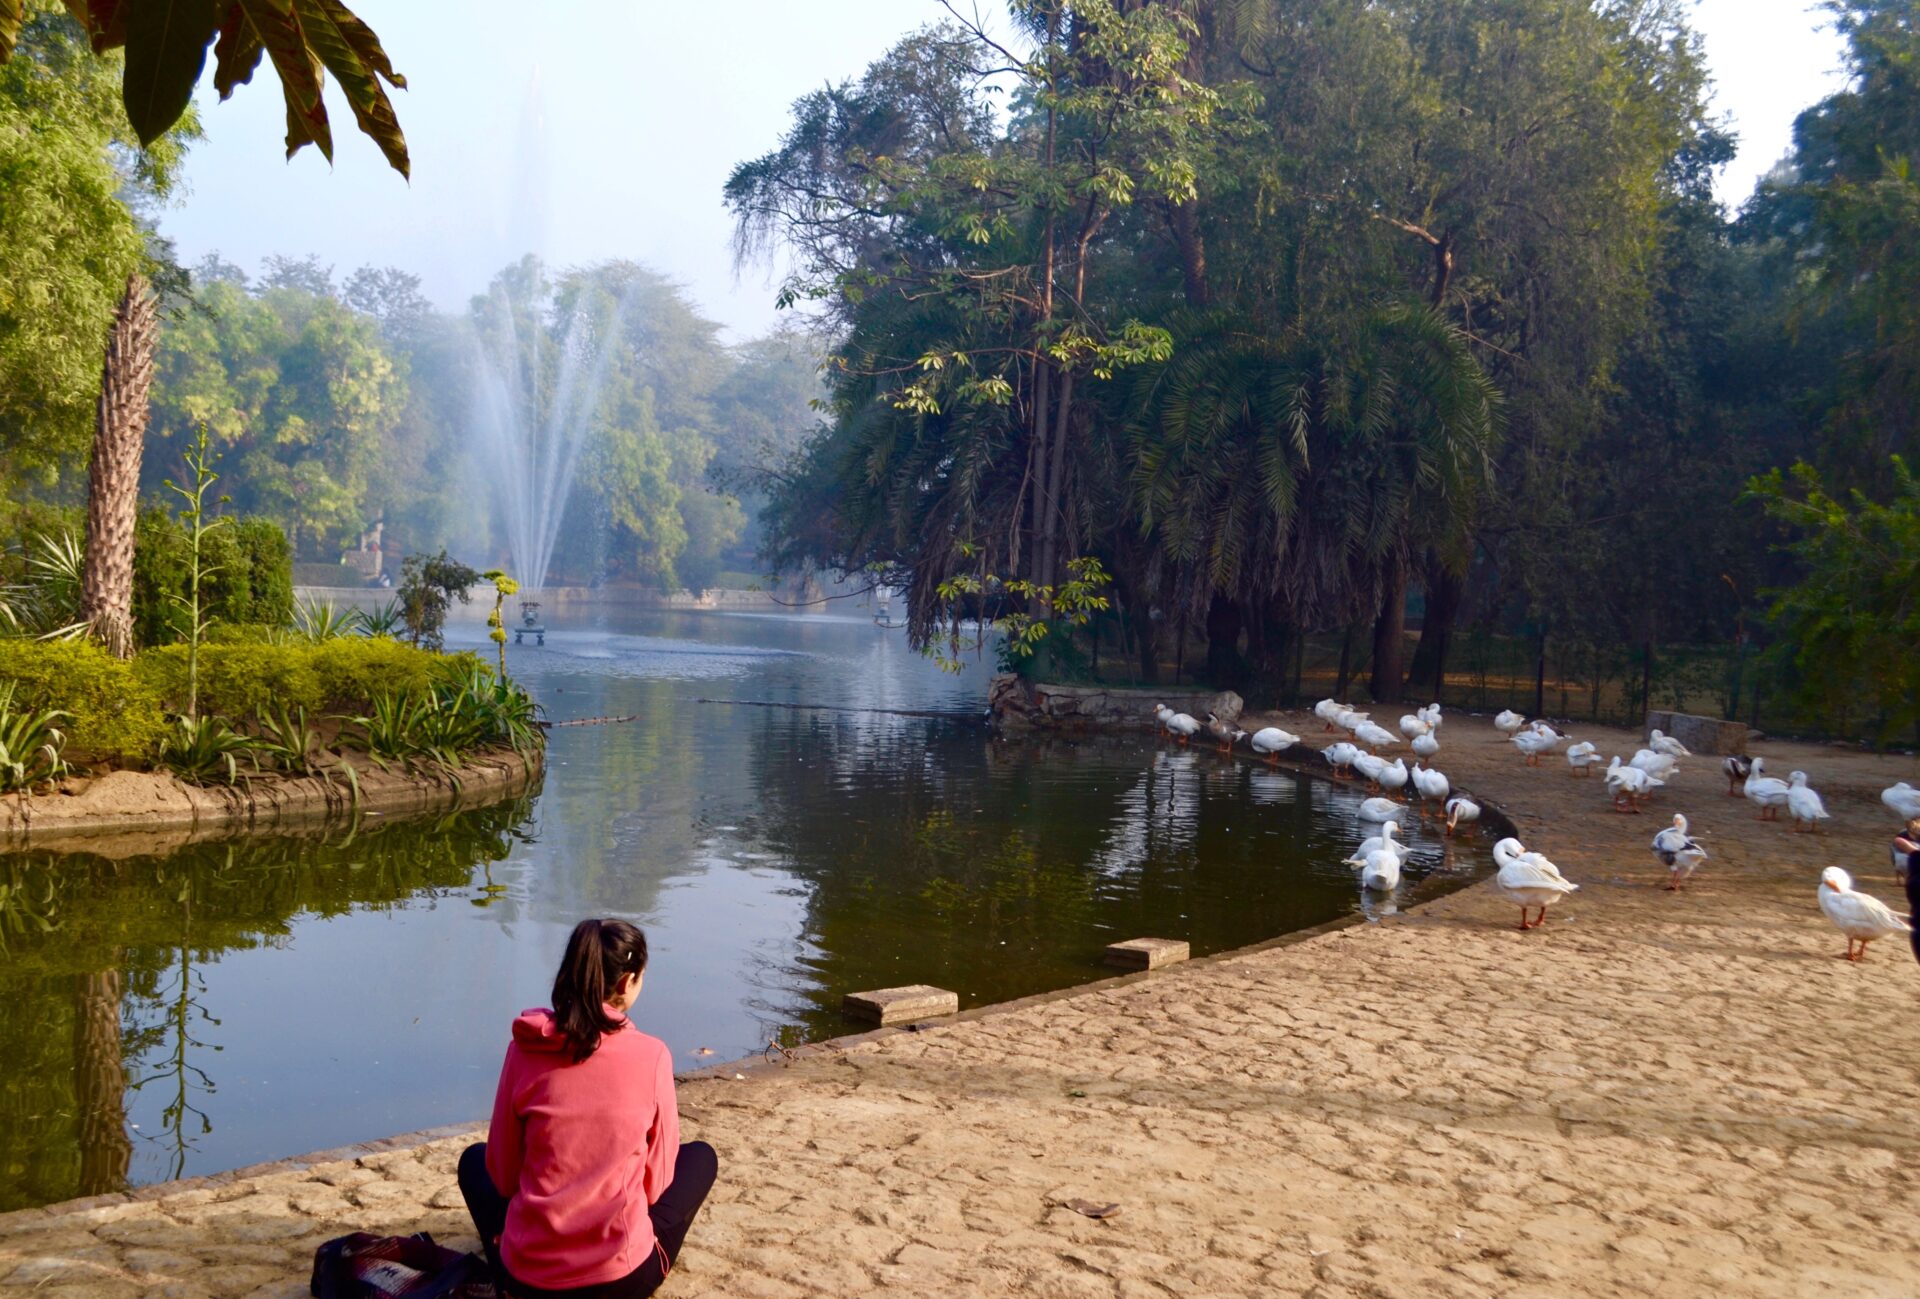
x,y
226,1003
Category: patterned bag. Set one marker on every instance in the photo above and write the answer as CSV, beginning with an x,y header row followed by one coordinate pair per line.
x,y
365,1266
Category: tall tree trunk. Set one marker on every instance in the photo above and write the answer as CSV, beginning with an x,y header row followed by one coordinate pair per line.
x,y
1540,675
1444,595
1226,669
1346,663
113,478
1389,635
1184,220
100,1083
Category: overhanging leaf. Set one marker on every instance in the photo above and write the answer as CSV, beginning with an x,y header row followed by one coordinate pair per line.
x,y
10,18
237,53
105,22
166,49
326,24
279,31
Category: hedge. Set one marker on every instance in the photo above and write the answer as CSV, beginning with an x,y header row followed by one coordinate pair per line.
x,y
119,709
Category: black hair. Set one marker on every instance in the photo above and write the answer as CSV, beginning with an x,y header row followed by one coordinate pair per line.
x,y
599,953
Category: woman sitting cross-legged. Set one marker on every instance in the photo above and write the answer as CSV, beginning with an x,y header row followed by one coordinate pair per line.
x,y
582,1187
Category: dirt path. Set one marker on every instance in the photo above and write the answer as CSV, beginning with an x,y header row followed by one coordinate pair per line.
x,y
1677,1094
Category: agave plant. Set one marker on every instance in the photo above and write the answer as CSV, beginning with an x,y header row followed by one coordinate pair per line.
x,y
206,750
319,620
30,744
387,619
47,604
288,740
498,711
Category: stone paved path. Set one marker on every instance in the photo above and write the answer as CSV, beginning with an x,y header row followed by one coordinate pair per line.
x,y
1675,1094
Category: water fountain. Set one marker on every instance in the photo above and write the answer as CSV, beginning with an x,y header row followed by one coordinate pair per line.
x,y
540,377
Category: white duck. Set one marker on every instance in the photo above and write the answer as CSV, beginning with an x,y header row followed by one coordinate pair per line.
x,y
1860,917
1425,746
1340,755
1660,766
1768,793
1431,714
1529,879
1582,757
1903,800
1431,785
1380,809
1372,733
1660,742
1369,765
1381,873
1394,778
1461,810
1803,804
1737,766
1628,785
1270,741
1329,710
1384,839
1678,852
1162,714
1350,720
1534,741
1183,726
1509,721
1413,726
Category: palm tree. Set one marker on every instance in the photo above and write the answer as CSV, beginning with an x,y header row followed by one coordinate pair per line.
x,y
1296,473
113,478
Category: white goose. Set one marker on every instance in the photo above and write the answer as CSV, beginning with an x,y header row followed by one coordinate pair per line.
x,y
1431,714
1329,710
1860,917
1461,810
1384,839
1660,742
1678,852
1369,765
1582,757
1394,778
1380,809
1903,800
1372,733
1183,726
1768,793
1432,786
1340,755
1381,873
1529,879
1509,721
1270,741
1350,720
1661,766
1425,746
1413,726
1803,804
1628,785
1163,715
1534,741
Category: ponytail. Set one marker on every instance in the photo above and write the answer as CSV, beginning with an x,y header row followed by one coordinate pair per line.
x,y
599,954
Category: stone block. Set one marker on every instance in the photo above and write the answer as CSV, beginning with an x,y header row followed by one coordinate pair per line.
x,y
1227,706
1147,953
886,1006
1700,734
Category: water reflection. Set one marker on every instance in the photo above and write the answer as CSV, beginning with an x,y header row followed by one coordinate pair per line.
x,y
183,1011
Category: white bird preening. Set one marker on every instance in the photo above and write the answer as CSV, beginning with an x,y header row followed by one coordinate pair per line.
x,y
1369,765
1270,741
1903,800
1678,852
1432,786
1461,810
1413,726
1768,793
1660,742
1430,714
1803,804
1425,746
1860,917
1529,879
1661,766
1535,740
1380,809
1329,710
1582,757
1340,755
1509,721
1393,776
1183,726
1628,785
1372,733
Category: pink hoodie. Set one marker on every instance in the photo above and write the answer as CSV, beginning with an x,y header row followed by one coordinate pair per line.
x,y
583,1149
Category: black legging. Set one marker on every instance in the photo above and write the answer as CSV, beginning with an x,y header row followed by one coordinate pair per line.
x,y
693,1172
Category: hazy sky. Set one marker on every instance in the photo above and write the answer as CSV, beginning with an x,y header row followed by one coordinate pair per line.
x,y
606,129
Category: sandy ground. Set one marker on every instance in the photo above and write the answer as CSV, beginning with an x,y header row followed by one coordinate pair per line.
x,y
1682,1094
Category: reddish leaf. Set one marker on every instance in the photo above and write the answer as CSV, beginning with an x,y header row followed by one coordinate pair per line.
x,y
166,50
320,21
278,29
105,22
237,53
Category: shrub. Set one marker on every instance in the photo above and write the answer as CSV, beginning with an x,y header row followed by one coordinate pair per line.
x,y
251,579
114,711
30,743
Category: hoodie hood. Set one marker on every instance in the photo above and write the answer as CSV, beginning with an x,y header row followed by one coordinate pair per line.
x,y
538,1030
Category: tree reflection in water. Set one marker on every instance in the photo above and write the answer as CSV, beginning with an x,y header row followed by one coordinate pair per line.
x,y
101,974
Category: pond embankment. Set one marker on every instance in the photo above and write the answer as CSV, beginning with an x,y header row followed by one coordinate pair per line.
x,y
153,811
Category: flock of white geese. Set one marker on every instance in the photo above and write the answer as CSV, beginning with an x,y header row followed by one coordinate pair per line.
x,y
1527,878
